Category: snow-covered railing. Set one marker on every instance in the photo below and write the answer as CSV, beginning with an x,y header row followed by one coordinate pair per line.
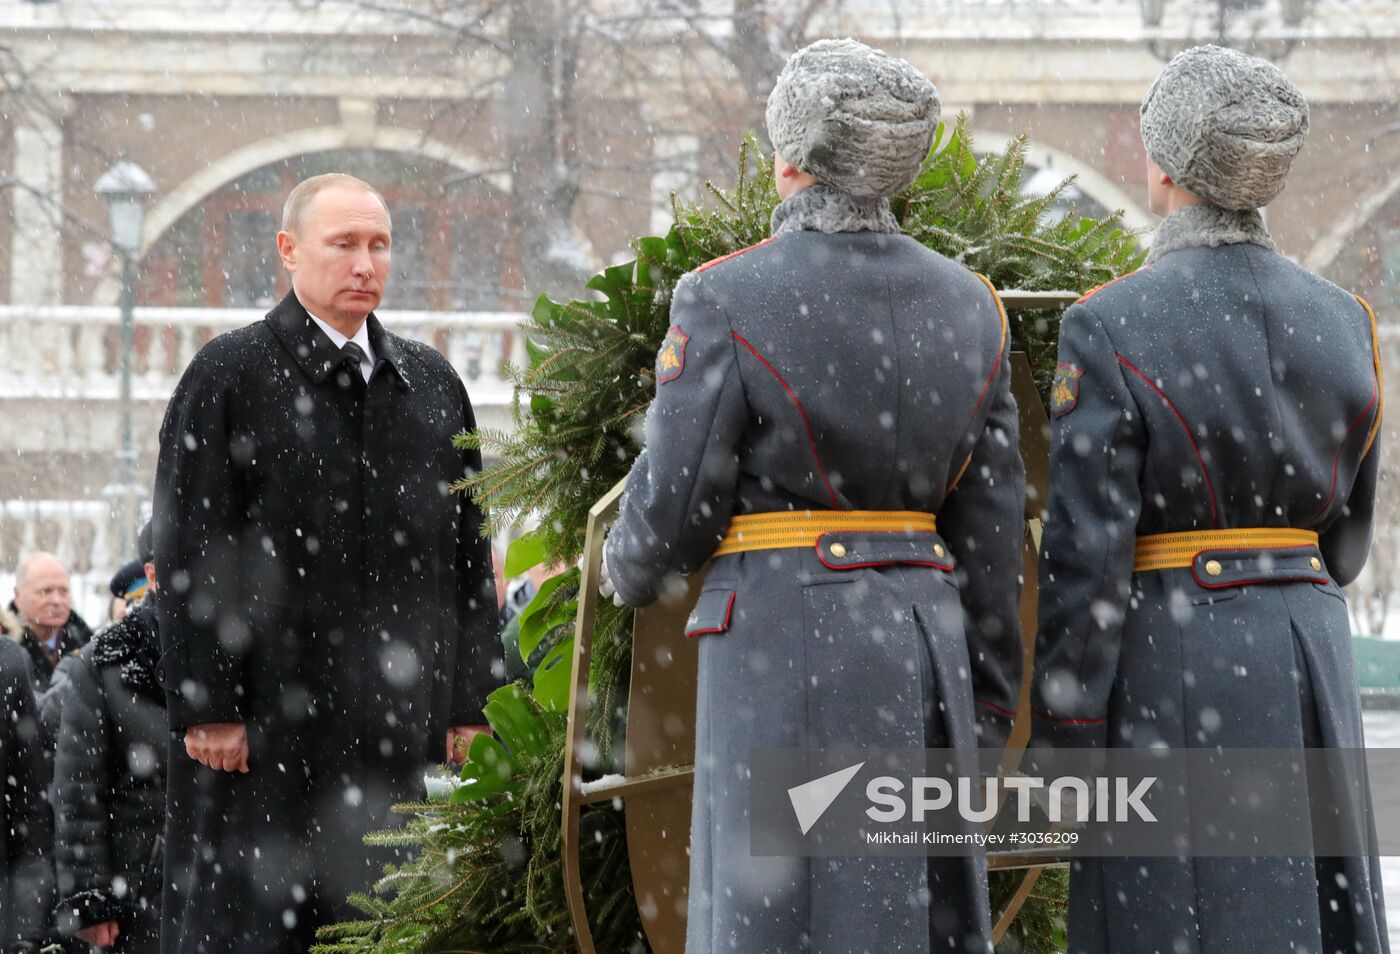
x,y
76,530
79,532
73,352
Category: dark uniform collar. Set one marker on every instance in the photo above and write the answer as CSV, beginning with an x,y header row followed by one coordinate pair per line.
x,y
315,351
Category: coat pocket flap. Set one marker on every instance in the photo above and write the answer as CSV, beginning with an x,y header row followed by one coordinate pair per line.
x,y
1217,569
850,550
711,613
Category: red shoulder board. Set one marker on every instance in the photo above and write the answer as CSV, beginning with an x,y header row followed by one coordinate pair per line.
x,y
1094,291
724,258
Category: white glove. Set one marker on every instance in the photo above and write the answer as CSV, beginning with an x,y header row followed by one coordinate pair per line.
x,y
605,583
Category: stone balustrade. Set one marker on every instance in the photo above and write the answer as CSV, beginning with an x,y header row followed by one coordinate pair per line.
x,y
59,388
74,352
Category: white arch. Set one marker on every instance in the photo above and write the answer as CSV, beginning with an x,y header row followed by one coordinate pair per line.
x,y
240,162
1089,180
1325,252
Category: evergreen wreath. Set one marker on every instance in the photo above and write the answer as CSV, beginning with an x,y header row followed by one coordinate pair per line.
x,y
485,873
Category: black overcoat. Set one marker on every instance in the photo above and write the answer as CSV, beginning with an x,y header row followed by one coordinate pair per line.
x,y
322,583
109,785
26,824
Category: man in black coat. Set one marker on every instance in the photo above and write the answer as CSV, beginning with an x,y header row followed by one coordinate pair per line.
x,y
327,605
26,826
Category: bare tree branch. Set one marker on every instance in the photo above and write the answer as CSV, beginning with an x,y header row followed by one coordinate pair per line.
x,y
419,13
58,212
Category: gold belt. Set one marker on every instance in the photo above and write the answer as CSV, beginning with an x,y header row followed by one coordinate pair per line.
x,y
1163,551
780,530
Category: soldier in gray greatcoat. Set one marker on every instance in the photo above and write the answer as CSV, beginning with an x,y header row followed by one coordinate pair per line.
x,y
837,374
1224,392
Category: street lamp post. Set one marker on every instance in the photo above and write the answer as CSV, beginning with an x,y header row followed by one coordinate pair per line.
x,y
125,187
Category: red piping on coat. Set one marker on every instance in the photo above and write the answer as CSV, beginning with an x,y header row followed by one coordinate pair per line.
x,y
1278,579
986,387
996,367
718,629
1210,488
1320,580
996,708
1113,281
860,566
1337,459
724,258
811,438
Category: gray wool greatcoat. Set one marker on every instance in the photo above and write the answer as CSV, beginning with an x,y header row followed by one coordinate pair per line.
x,y
855,370
1219,387
321,583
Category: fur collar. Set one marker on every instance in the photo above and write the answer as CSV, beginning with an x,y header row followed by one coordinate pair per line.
x,y
134,645
820,208
1210,226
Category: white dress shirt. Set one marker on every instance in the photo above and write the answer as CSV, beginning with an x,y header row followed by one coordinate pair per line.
x,y
361,338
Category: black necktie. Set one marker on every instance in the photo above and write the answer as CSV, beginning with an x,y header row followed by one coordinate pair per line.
x,y
354,353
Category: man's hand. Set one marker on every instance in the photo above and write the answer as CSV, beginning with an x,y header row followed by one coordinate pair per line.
x,y
102,935
459,741
223,746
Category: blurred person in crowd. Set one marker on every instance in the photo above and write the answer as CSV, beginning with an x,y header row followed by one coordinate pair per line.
x,y
26,825
327,607
128,587
42,620
514,596
109,783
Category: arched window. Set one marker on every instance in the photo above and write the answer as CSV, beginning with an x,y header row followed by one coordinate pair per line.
x,y
452,248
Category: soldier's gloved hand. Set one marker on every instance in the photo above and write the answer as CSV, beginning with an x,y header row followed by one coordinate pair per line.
x,y
605,583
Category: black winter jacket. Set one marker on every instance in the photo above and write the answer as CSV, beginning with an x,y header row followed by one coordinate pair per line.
x,y
109,785
26,827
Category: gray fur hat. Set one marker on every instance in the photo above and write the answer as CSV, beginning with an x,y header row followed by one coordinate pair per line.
x,y
1224,125
857,119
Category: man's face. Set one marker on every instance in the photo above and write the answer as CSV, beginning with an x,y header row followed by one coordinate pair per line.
x,y
43,598
339,259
